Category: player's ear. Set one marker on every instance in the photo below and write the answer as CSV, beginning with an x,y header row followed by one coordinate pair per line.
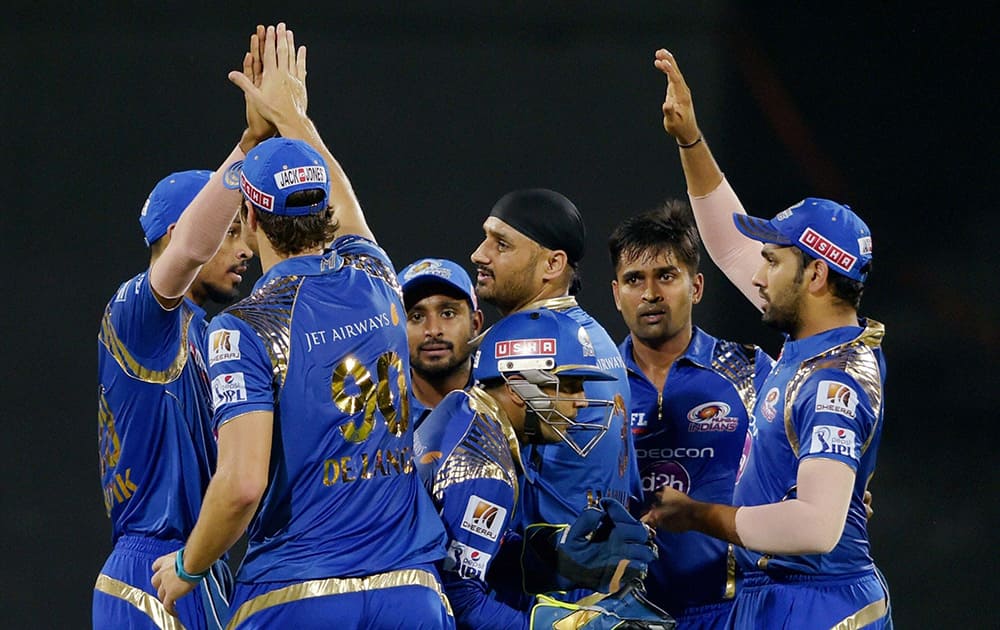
x,y
697,287
556,262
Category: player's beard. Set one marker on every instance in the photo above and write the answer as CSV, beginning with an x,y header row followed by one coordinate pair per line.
x,y
441,369
510,291
219,295
784,311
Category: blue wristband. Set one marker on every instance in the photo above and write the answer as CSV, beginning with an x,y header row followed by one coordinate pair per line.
x,y
193,578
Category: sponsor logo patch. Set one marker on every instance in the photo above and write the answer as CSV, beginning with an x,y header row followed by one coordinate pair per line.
x,y
584,339
836,397
638,420
223,345
483,518
300,175
525,347
711,416
865,245
666,473
228,388
768,407
468,562
256,196
832,440
823,246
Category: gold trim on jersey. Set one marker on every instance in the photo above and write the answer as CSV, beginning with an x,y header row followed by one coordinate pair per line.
x,y
870,613
338,586
268,311
854,357
561,303
737,364
131,366
152,607
489,449
730,573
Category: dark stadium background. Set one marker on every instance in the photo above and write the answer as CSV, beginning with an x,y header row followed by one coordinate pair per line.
x,y
435,112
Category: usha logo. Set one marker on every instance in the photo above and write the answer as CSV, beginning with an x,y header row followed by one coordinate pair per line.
x,y
525,347
825,248
256,196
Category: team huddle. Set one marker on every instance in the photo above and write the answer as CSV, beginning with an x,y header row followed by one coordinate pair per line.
x,y
391,462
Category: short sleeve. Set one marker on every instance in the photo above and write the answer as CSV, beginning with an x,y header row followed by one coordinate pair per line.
x,y
239,370
833,417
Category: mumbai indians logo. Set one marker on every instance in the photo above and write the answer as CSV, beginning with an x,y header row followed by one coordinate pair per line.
x,y
711,416
483,518
767,407
429,267
836,397
300,175
223,345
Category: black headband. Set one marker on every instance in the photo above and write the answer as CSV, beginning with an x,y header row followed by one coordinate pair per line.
x,y
546,217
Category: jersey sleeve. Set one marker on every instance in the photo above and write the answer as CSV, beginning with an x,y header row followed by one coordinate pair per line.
x,y
834,418
239,369
149,331
476,514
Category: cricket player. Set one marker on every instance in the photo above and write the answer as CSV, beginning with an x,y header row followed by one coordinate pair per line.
x,y
309,378
156,448
442,318
530,372
798,513
534,241
692,395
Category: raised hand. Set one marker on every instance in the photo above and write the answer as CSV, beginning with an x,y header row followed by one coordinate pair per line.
x,y
678,110
258,127
281,96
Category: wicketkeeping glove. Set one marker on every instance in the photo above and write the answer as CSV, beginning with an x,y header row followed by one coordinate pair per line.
x,y
627,609
604,548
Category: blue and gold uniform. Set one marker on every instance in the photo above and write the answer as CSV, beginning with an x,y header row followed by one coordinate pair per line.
x,y
468,459
344,530
157,453
824,398
690,433
566,483
156,448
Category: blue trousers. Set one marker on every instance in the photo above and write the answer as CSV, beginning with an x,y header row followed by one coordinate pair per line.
x,y
407,598
124,597
803,602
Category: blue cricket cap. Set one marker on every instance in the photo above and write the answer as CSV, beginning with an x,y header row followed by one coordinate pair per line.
x,y
276,168
441,271
167,201
539,339
821,228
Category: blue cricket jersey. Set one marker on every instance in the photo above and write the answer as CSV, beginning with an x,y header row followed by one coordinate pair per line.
x,y
565,483
155,442
690,433
321,343
822,399
468,459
